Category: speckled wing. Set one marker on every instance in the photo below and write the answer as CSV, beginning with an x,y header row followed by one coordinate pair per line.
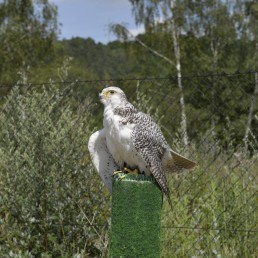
x,y
149,143
101,158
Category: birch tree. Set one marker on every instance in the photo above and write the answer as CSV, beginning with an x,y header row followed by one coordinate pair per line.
x,y
175,35
250,28
151,14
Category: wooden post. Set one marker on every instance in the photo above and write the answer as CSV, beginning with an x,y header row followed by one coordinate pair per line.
x,y
135,220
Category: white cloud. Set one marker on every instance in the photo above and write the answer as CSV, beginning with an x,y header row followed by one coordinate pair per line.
x,y
138,30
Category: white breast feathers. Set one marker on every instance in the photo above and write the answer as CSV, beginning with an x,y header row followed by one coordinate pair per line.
x,y
118,135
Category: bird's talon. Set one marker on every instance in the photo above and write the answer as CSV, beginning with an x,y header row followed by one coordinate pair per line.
x,y
120,178
132,171
117,172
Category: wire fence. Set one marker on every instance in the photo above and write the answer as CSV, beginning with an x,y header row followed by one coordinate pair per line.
x,y
53,203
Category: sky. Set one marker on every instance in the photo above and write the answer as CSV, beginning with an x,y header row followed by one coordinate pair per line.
x,y
90,18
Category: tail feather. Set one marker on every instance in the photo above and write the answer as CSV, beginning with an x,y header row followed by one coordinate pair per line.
x,y
159,175
174,162
182,162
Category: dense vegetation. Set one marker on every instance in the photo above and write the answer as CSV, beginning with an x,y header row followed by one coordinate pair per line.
x,y
52,203
212,38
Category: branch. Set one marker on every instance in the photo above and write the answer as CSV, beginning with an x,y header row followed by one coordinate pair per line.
x,y
154,51
123,33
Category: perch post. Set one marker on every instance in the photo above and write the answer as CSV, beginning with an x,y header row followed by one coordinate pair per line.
x,y
135,219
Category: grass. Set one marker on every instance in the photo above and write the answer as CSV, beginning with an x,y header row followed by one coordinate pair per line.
x,y
215,210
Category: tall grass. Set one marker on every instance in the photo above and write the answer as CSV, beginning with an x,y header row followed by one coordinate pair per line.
x,y
215,210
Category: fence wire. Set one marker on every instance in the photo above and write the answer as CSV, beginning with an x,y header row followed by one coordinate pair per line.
x,y
52,200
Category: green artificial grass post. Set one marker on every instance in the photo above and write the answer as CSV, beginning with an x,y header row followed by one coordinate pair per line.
x,y
135,221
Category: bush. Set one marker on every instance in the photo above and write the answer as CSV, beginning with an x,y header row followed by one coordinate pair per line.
x,y
52,203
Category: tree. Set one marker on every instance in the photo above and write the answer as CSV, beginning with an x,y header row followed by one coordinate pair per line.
x,y
149,12
251,33
27,32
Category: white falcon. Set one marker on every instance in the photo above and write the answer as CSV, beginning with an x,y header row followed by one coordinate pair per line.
x,y
133,140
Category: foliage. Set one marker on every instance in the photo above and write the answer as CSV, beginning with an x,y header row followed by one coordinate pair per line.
x,y
213,38
27,32
52,203
214,207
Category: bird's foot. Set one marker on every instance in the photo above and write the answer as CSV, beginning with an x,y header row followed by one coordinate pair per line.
x,y
132,171
119,174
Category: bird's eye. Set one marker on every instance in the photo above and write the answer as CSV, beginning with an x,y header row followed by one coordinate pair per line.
x,y
111,92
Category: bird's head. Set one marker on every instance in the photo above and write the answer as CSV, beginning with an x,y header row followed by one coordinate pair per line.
x,y
112,96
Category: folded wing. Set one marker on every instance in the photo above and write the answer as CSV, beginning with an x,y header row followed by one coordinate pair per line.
x,y
101,158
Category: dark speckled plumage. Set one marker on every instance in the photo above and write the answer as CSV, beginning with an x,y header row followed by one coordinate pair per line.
x,y
148,141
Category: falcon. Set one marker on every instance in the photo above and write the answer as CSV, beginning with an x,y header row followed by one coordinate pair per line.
x,y
132,142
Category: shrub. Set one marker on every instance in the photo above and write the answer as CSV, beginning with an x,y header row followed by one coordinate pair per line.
x,y
52,201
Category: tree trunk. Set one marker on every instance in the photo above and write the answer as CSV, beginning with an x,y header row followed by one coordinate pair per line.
x,y
214,49
251,111
179,75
